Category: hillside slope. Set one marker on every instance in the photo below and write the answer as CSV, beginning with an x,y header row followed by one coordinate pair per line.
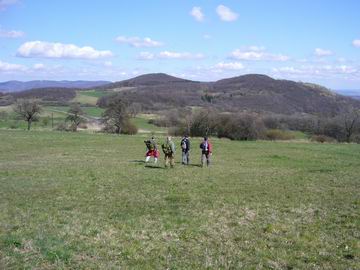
x,y
252,92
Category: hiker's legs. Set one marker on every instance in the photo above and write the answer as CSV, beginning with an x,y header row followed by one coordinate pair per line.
x,y
183,154
187,158
147,159
172,161
203,158
155,160
208,159
166,160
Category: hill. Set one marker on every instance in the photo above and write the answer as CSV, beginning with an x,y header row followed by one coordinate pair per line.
x,y
15,86
152,79
252,92
54,95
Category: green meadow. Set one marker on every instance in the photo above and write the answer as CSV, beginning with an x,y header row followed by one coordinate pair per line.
x,y
87,201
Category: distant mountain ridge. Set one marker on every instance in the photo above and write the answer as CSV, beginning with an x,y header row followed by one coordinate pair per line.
x,y
16,86
353,93
251,92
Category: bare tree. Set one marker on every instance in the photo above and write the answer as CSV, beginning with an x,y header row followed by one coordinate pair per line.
x,y
134,109
351,121
75,116
28,110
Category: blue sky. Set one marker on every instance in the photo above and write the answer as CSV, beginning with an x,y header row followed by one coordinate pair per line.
x,y
309,40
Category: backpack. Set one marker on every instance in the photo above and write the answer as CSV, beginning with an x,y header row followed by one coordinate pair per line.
x,y
166,148
204,146
150,146
183,144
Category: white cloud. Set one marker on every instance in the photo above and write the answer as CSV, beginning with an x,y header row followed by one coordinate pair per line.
x,y
39,66
207,36
146,56
229,66
322,52
324,71
179,55
170,55
197,14
5,3
255,53
356,43
138,42
11,33
7,67
43,49
108,64
226,14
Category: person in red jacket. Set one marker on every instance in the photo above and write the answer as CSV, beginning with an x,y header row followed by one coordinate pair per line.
x,y
152,150
206,151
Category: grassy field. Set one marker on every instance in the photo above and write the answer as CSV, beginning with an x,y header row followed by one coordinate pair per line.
x,y
87,201
142,123
84,98
95,93
59,114
88,111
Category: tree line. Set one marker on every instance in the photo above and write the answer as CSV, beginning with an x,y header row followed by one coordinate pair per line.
x,y
118,112
115,119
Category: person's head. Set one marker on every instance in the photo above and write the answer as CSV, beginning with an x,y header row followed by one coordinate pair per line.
x,y
205,138
186,136
152,137
168,138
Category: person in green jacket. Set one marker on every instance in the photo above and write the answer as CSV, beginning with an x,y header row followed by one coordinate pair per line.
x,y
169,151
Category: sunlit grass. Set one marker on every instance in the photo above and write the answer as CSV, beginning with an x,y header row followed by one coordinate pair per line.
x,y
82,201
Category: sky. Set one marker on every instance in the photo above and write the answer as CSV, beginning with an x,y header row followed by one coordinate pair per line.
x,y
315,41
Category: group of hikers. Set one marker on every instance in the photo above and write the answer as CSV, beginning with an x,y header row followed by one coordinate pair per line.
x,y
169,149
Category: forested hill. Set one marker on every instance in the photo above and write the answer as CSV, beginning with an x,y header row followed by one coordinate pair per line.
x,y
252,92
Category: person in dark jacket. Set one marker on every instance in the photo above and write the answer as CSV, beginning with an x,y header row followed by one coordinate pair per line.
x,y
185,147
206,151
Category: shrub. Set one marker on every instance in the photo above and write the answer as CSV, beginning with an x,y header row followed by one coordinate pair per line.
x,y
82,126
61,127
203,123
272,122
332,128
240,127
45,121
355,138
322,139
14,125
278,134
129,128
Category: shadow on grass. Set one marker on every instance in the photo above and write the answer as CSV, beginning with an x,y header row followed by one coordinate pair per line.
x,y
154,167
185,165
194,165
137,161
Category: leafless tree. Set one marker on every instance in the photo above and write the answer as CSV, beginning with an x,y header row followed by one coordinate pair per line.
x,y
28,110
134,109
350,121
75,116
